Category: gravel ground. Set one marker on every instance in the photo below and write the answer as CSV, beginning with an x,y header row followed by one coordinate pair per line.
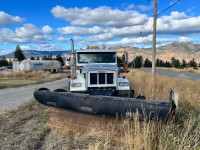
x,y
12,97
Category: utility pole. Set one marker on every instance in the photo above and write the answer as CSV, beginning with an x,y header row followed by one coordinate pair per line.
x,y
154,42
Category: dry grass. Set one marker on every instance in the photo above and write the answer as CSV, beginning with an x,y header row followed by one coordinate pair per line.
x,y
185,70
148,135
12,78
23,129
141,82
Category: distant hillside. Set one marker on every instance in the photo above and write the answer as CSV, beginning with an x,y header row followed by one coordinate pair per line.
x,y
180,51
35,53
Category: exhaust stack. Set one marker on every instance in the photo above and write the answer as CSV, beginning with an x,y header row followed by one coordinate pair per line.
x,y
126,57
73,61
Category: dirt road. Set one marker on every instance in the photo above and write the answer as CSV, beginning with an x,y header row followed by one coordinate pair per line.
x,y
182,75
13,97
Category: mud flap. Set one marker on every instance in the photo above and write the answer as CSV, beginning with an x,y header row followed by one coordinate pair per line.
x,y
174,100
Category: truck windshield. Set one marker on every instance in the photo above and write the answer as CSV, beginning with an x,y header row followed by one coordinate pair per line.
x,y
103,57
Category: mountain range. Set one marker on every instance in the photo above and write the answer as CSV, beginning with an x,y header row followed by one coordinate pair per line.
x,y
35,53
180,51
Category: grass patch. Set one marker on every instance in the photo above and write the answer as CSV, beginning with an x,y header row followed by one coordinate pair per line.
x,y
25,128
12,78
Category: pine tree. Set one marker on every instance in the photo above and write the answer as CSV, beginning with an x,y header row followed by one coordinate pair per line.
x,y
44,57
167,64
193,64
184,63
59,58
147,63
19,54
138,61
158,62
3,62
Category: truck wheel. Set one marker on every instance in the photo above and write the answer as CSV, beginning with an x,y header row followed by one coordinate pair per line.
x,y
141,97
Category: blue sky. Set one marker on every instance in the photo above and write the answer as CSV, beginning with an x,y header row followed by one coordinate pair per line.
x,y
48,25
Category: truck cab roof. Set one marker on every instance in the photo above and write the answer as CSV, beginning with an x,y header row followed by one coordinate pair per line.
x,y
95,50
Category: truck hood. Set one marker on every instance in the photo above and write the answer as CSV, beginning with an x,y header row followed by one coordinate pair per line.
x,y
100,67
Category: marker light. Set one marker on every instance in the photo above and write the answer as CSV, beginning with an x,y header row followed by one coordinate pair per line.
x,y
94,47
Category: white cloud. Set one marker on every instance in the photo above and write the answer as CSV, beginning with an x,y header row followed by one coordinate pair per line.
x,y
174,16
69,30
150,6
28,30
147,41
177,23
4,52
47,29
40,47
8,36
131,6
171,3
145,8
6,19
186,26
77,38
43,47
63,40
28,33
102,16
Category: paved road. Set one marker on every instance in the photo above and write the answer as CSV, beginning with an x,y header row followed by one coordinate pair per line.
x,y
189,76
13,97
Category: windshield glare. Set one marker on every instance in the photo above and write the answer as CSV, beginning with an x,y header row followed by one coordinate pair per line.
x,y
106,57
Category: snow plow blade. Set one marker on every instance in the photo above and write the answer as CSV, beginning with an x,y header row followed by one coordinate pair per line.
x,y
109,105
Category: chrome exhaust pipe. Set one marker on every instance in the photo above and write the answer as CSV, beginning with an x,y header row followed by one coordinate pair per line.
x,y
73,60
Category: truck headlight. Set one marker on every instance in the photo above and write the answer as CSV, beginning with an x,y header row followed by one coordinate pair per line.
x,y
123,84
76,84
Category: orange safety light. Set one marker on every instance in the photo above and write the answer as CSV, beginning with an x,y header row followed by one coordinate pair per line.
x,y
126,65
65,67
73,78
94,47
77,68
124,77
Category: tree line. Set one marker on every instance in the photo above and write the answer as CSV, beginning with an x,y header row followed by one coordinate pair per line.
x,y
138,62
18,55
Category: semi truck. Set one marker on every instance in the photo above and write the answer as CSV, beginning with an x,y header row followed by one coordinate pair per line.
x,y
95,88
95,69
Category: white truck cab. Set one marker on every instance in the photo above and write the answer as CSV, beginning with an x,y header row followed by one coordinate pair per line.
x,y
95,69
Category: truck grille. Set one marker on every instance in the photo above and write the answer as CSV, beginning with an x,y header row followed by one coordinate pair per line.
x,y
93,78
101,78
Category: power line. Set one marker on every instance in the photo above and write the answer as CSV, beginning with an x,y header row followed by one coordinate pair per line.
x,y
157,16
168,7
